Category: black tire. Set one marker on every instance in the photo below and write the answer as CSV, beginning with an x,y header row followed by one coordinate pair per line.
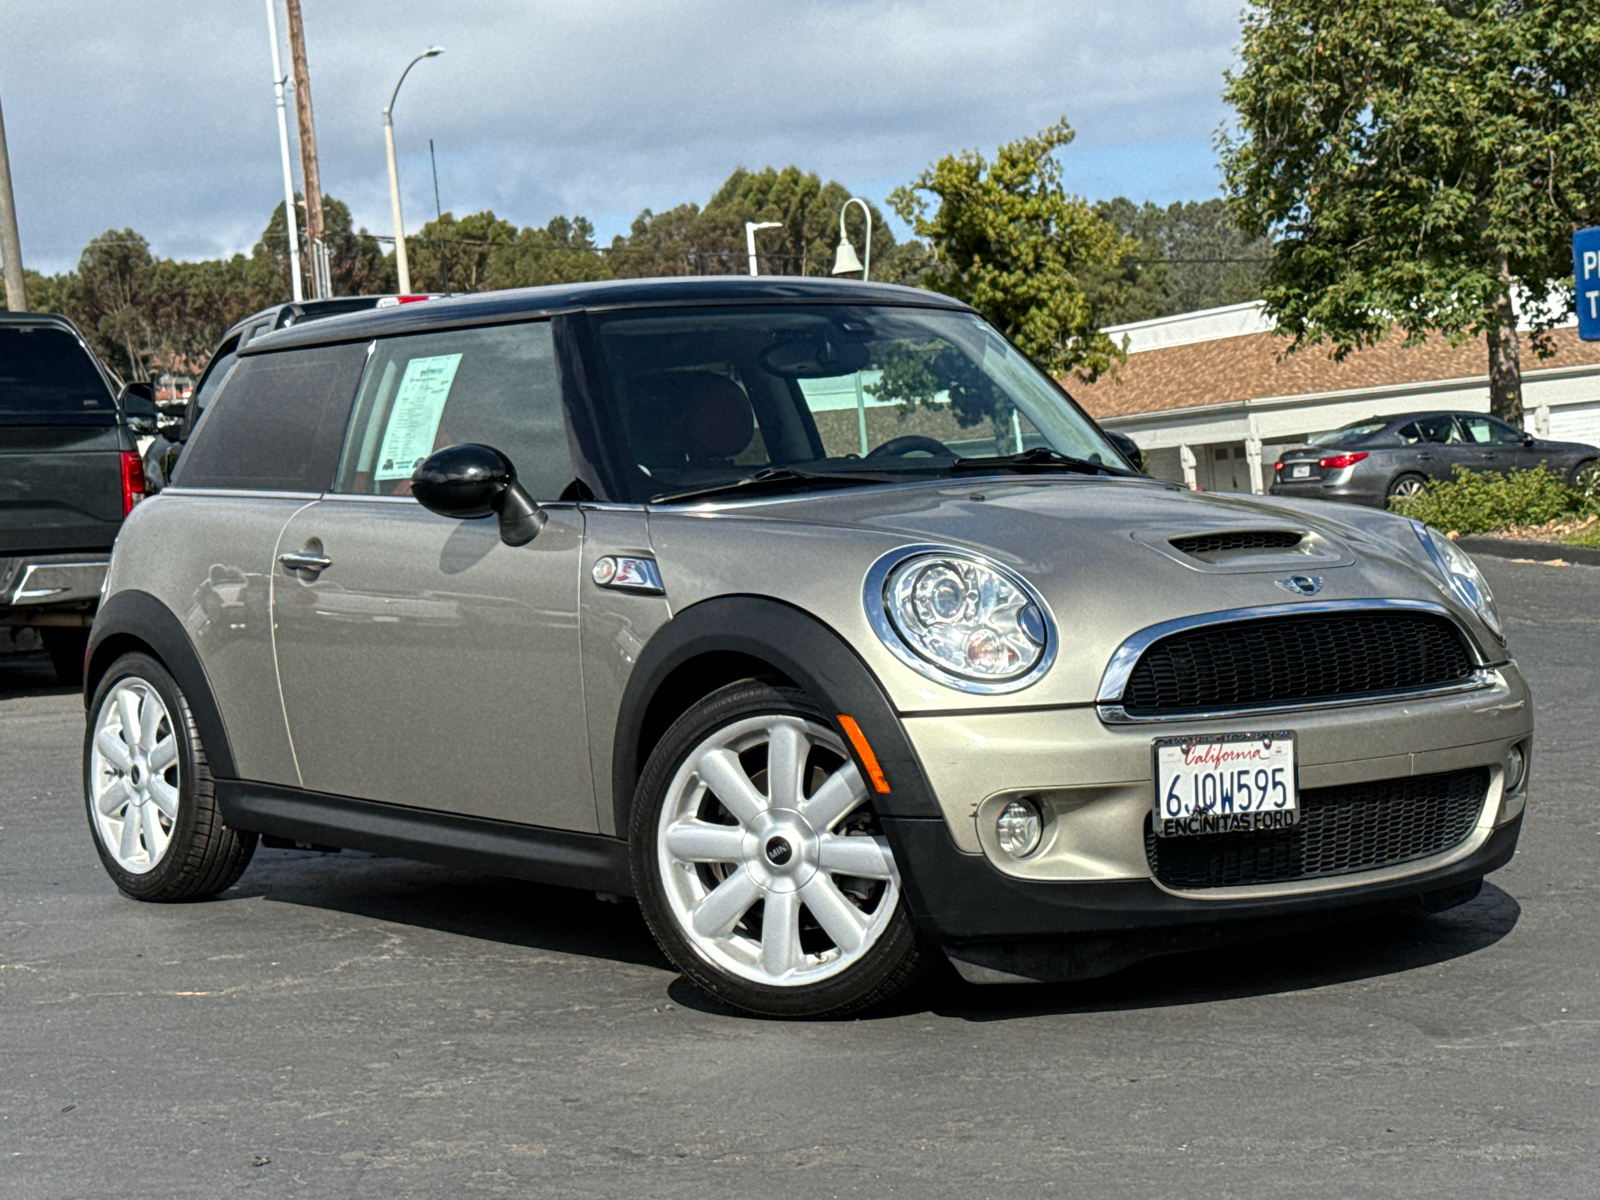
x,y
1405,486
65,644
895,961
203,856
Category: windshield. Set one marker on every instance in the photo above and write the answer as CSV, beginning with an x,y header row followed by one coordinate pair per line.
x,y
47,375
1349,433
710,396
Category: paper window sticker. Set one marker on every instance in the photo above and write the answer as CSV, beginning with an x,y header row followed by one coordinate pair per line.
x,y
414,419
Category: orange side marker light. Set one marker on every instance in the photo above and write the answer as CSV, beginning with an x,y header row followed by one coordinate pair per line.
x,y
869,760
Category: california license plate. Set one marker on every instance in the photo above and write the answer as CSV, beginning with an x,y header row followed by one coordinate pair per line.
x,y
1300,472
1229,783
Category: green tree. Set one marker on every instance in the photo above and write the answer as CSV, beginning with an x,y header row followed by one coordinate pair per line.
x,y
1419,163
690,240
1007,239
107,300
357,266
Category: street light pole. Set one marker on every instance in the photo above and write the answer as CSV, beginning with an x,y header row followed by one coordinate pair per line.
x,y
290,217
845,262
10,243
750,228
402,268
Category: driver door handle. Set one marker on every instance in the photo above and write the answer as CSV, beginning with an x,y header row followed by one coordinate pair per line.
x,y
305,562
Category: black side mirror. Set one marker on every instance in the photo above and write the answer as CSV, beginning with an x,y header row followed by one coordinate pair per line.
x,y
138,404
469,481
1528,439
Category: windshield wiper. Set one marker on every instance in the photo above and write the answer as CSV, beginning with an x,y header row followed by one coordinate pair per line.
x,y
1040,458
779,479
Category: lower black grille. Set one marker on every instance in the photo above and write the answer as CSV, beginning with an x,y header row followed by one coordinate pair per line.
x,y
1295,659
1240,539
1356,828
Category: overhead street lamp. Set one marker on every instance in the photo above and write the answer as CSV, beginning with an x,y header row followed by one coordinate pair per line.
x,y
750,228
400,263
845,261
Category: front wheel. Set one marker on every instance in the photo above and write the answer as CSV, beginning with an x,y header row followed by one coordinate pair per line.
x,y
760,865
1586,478
150,796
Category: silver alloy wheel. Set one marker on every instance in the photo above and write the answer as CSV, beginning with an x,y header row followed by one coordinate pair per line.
x,y
134,775
758,873
1407,487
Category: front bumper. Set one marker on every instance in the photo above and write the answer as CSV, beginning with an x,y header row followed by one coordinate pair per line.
x,y
1091,875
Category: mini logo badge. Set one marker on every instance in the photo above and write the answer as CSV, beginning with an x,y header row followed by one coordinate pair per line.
x,y
1301,585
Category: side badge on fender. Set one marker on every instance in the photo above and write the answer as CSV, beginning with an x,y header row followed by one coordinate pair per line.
x,y
1301,585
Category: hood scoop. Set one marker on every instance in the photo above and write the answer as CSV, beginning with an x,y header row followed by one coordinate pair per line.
x,y
1208,547
1248,549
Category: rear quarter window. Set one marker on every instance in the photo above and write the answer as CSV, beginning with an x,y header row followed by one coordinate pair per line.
x,y
277,423
47,376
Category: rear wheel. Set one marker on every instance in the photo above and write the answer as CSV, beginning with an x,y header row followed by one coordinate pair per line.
x,y
150,797
1405,487
760,865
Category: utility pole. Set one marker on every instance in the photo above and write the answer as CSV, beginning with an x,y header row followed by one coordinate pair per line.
x,y
310,176
291,218
10,243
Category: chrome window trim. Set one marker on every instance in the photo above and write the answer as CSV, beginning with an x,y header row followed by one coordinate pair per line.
x,y
1114,682
238,493
878,618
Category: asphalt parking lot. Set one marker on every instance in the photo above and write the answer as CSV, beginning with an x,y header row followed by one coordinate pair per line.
x,y
359,1026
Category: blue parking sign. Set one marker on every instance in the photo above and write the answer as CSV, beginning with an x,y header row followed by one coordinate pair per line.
x,y
1586,270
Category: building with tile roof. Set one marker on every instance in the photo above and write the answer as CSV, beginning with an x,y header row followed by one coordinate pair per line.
x,y
1213,397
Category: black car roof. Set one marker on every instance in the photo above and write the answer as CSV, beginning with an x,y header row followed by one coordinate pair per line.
x,y
38,318
525,303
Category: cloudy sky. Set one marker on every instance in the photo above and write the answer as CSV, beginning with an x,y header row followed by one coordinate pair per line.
x,y
158,115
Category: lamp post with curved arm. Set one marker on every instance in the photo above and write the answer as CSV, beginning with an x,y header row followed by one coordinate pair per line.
x,y
402,267
845,261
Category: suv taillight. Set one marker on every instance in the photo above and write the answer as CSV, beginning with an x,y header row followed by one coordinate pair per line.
x,y
1338,462
132,480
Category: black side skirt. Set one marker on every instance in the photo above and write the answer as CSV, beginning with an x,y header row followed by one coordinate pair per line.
x,y
557,856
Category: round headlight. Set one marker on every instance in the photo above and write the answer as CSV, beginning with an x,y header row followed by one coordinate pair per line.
x,y
1461,575
963,621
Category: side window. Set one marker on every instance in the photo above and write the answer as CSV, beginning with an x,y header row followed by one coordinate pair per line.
x,y
277,422
1490,433
421,393
1410,435
1434,429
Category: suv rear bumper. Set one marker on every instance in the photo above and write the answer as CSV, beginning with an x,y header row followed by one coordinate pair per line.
x,y
38,581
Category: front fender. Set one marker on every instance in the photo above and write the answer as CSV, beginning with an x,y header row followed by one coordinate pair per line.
x,y
799,646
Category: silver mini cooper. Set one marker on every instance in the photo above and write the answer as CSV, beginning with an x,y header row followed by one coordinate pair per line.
x,y
810,614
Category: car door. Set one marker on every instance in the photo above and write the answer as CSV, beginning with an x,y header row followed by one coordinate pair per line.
x,y
1429,441
1492,445
424,662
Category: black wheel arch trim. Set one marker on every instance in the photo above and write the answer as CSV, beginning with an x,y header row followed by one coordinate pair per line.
x,y
141,617
810,653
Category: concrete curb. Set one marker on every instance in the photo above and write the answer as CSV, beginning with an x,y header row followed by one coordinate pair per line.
x,y
1588,556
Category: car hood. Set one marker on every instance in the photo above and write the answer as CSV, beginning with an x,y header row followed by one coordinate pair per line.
x,y
1099,551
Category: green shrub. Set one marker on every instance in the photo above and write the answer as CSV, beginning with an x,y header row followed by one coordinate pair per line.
x,y
1485,501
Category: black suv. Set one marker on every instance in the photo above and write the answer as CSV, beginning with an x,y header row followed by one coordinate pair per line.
x,y
69,473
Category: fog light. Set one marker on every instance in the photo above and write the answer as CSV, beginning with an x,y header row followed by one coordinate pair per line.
x,y
1515,769
1018,828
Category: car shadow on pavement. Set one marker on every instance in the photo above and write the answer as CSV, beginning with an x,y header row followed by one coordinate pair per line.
x,y
29,675
1363,949
489,907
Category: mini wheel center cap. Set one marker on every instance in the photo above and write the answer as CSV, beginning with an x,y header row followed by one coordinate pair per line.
x,y
779,851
